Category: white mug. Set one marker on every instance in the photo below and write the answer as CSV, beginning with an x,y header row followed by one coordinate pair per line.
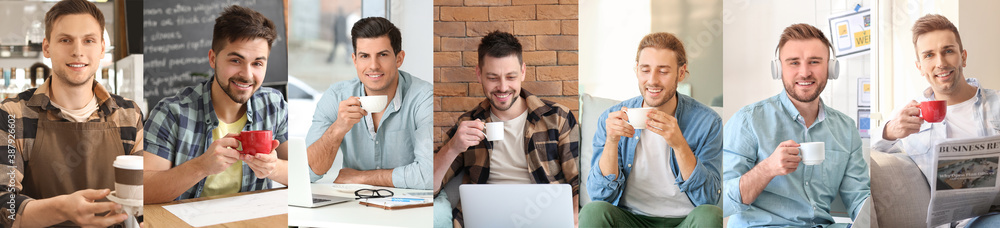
x,y
812,153
637,117
494,131
373,104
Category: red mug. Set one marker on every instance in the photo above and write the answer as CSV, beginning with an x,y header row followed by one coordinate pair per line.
x,y
255,142
933,111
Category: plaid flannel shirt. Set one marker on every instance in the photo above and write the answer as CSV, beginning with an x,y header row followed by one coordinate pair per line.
x,y
551,144
30,105
180,128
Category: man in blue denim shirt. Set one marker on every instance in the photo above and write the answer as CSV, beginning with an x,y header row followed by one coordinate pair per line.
x,y
387,148
666,175
765,188
971,109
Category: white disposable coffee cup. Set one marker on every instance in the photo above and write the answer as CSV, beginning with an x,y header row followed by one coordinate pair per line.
x,y
373,104
812,153
637,117
128,177
494,131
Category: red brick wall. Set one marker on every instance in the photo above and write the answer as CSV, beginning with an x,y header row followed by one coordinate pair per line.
x,y
547,30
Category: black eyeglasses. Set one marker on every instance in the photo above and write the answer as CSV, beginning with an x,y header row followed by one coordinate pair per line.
x,y
372,193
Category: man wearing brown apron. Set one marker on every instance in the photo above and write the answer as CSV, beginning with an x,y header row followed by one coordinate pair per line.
x,y
191,151
63,136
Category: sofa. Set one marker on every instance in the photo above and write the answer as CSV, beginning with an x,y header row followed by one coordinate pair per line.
x,y
900,192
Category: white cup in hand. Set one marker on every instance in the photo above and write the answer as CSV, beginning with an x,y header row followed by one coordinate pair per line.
x,y
637,117
373,104
128,177
494,131
813,153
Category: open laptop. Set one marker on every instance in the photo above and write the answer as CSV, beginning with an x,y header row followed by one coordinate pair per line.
x,y
299,188
517,205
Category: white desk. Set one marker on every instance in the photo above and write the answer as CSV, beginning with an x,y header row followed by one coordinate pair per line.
x,y
353,214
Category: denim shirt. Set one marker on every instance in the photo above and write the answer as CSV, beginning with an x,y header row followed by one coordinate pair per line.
x,y
701,127
404,139
801,198
919,146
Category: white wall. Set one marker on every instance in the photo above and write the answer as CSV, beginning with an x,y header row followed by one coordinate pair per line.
x,y
980,34
610,32
414,18
698,23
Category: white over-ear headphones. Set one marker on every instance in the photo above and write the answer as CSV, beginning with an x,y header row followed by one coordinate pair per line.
x,y
832,71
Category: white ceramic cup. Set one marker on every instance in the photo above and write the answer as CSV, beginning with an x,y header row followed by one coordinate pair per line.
x,y
637,117
128,177
494,131
812,153
373,104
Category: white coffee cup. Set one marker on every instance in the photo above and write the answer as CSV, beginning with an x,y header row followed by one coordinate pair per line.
x,y
494,131
812,153
373,104
128,177
637,117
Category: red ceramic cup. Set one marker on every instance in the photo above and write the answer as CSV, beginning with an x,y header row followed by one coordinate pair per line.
x,y
933,111
255,142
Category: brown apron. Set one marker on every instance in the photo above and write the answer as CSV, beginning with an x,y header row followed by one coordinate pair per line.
x,y
69,156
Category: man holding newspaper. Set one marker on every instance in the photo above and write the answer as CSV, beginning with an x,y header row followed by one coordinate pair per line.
x,y
972,112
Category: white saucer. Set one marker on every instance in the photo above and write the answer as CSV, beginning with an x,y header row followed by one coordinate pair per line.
x,y
124,202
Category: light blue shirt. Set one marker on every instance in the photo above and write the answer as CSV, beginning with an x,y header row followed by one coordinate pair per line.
x,y
701,127
801,198
404,139
919,146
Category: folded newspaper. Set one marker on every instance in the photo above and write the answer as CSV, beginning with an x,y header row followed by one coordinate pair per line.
x,y
966,179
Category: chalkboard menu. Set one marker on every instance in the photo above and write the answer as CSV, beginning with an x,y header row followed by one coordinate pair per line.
x,y
177,35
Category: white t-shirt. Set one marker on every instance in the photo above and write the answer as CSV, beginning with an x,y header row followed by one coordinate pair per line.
x,y
82,114
508,164
650,188
958,116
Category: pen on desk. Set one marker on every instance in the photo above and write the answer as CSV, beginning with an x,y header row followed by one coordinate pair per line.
x,y
406,200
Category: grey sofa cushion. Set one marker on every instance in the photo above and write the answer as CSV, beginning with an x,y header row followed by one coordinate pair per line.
x,y
590,110
899,190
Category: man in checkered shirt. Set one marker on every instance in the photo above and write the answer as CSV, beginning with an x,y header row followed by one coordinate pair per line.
x,y
190,149
541,143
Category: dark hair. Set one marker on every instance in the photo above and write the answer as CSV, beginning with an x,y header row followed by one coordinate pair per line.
x,y
241,23
934,22
67,7
662,40
499,44
802,32
374,27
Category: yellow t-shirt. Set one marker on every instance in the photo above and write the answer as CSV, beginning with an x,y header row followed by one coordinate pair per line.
x,y
229,181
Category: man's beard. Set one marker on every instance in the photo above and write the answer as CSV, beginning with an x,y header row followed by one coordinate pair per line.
x,y
232,94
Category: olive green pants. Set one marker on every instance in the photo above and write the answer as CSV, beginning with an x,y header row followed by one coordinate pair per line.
x,y
604,214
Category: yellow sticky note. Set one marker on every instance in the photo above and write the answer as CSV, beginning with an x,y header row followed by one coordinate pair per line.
x,y
842,29
868,87
863,38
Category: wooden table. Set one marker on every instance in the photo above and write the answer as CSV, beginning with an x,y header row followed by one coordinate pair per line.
x,y
154,216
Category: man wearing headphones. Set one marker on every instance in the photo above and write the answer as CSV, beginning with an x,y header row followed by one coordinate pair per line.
x,y
766,183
